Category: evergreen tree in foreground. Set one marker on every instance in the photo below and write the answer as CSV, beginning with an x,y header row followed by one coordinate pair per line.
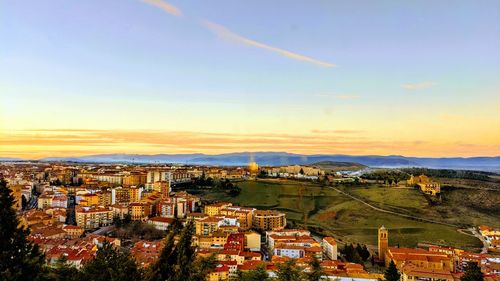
x,y
20,259
472,273
289,271
178,261
111,265
316,272
392,273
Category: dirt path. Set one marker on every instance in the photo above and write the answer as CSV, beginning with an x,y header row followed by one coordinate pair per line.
x,y
392,212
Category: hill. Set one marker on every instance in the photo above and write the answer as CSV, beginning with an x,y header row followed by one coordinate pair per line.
x,y
284,158
332,166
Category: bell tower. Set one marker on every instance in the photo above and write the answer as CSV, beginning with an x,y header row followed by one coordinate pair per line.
x,y
383,242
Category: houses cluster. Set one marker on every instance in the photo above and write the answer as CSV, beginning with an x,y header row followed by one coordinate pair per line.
x,y
425,184
242,239
434,262
76,251
491,236
294,171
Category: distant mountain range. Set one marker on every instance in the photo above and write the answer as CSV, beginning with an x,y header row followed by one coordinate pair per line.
x,y
284,158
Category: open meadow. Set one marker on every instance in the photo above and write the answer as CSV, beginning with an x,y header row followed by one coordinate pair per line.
x,y
330,212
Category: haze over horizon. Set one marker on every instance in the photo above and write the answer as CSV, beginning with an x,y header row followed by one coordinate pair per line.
x,y
147,77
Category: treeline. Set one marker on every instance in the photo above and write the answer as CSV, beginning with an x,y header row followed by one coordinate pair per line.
x,y
225,185
446,173
387,176
355,253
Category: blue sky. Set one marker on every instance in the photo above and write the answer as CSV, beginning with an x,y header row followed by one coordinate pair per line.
x,y
131,65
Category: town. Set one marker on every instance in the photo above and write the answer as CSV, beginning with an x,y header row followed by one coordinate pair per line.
x,y
72,210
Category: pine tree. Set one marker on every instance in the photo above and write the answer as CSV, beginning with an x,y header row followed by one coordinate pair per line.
x,y
316,272
19,258
289,271
472,273
392,273
203,266
185,254
164,267
110,264
178,261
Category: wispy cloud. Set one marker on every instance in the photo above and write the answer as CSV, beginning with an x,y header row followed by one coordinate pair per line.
x,y
418,86
41,143
167,7
316,131
225,33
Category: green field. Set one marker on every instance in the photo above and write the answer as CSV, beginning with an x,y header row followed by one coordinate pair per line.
x,y
351,221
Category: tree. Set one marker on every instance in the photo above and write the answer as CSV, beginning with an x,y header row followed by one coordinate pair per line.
x,y
257,274
472,273
110,264
162,269
289,271
24,202
185,253
316,272
203,266
177,261
392,273
19,258
363,252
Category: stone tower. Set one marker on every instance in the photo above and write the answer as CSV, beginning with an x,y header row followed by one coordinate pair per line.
x,y
383,242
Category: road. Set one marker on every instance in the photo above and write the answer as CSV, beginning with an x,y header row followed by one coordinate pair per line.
x,y
391,212
474,231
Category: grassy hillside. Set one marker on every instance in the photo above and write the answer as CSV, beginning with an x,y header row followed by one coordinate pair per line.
x,y
350,220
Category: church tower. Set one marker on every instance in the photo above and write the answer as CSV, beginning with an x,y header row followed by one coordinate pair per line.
x,y
383,242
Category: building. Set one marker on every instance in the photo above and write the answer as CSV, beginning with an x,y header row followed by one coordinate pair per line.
x,y
134,194
120,195
160,223
329,246
154,176
104,198
383,242
73,231
207,226
425,184
253,168
163,187
252,241
419,258
411,272
93,217
140,210
45,201
134,179
268,220
293,252
215,209
146,253
221,272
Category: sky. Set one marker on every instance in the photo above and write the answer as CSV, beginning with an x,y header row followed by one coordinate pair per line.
x,y
360,77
